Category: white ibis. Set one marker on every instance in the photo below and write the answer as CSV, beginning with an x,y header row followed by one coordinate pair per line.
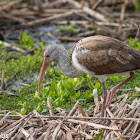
x,y
99,56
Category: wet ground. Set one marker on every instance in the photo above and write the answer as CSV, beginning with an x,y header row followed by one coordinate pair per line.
x,y
44,33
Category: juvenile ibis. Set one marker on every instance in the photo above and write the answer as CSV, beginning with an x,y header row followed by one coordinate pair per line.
x,y
99,56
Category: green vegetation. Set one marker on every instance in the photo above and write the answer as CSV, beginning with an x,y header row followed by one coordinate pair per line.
x,y
27,41
134,43
99,137
68,29
137,4
25,68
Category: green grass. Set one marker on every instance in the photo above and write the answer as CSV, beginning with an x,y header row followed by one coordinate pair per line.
x,y
137,4
67,30
23,68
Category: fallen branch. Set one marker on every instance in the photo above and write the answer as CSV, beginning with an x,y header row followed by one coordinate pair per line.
x,y
64,38
88,11
73,110
8,93
42,21
74,117
121,19
98,126
50,106
12,46
9,4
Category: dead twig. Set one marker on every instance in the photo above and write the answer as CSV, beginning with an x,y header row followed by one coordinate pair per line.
x,y
75,117
12,46
8,93
57,129
88,11
73,109
42,21
50,106
98,126
121,19
9,4
65,38
39,6
97,3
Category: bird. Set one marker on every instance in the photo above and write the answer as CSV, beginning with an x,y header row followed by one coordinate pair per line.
x,y
99,56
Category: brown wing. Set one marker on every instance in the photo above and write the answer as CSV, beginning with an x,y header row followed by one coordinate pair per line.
x,y
107,55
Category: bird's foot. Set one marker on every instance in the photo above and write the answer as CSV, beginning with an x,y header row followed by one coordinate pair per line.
x,y
110,96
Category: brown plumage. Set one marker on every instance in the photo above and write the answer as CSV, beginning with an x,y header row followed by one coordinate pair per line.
x,y
99,56
107,55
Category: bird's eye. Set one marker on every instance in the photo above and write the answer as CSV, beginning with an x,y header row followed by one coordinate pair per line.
x,y
47,55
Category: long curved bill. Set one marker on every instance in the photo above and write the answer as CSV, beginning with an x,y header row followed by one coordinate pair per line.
x,y
45,64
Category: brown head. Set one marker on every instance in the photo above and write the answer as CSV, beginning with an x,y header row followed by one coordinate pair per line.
x,y
51,54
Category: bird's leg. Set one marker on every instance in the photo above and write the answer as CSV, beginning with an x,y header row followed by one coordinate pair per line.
x,y
104,99
113,90
104,102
